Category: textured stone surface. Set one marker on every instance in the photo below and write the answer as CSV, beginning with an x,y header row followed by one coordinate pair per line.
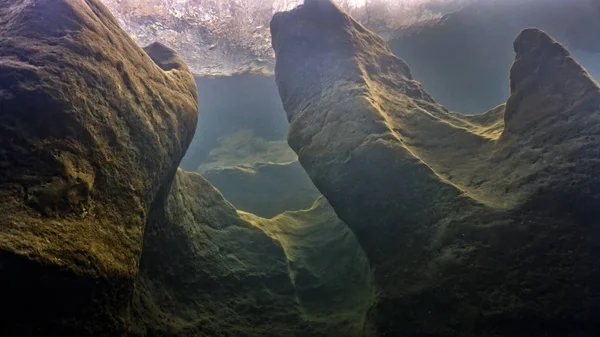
x,y
207,272
474,226
328,267
91,129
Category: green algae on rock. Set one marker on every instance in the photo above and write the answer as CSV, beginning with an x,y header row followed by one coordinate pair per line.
x,y
329,269
205,271
474,226
91,129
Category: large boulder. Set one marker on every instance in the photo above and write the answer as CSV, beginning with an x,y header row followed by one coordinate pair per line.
x,y
462,58
474,226
92,129
205,271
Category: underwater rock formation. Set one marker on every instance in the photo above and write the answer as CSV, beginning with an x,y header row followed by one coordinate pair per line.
x,y
474,226
328,267
91,131
95,239
243,130
462,58
206,272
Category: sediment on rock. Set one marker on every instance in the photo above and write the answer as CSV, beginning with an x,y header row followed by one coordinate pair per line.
x,y
91,128
206,271
473,225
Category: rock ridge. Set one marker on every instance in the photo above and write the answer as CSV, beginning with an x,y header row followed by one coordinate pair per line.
x,y
473,225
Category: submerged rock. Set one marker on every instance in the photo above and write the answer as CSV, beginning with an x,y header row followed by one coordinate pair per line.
x,y
205,271
245,155
91,131
95,240
481,225
329,269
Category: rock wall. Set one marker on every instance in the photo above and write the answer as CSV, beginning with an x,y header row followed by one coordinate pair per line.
x,y
329,269
205,271
100,234
474,226
91,129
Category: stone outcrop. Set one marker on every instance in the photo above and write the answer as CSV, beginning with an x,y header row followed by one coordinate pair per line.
x,y
92,129
101,235
474,226
329,269
205,271
462,58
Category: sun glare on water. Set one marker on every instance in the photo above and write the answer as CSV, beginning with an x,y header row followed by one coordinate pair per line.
x,y
358,3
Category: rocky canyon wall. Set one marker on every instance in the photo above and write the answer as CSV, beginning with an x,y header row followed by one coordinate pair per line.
x,y
474,225
102,235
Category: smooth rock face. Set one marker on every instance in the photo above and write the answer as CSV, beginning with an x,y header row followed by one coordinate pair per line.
x,y
205,271
474,226
462,58
91,130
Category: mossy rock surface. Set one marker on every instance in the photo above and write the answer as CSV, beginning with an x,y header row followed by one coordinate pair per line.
x,y
206,271
473,226
92,127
